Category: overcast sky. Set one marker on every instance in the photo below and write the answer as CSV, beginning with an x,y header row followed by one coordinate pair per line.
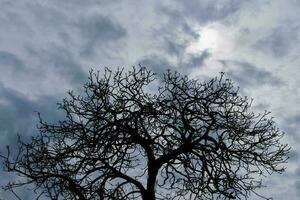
x,y
48,46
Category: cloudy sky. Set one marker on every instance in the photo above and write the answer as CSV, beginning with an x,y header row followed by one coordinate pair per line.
x,y
47,48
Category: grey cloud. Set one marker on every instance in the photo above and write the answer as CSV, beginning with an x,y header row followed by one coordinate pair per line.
x,y
297,186
205,11
9,60
294,157
248,74
14,22
280,41
160,64
186,28
175,19
173,47
292,127
17,114
99,28
61,61
176,34
170,41
86,33
98,31
80,3
297,181
198,60
292,120
47,16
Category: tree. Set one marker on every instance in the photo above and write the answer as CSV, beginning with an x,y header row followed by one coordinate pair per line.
x,y
122,140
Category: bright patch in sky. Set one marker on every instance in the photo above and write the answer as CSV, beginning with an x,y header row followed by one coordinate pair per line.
x,y
219,41
215,38
209,38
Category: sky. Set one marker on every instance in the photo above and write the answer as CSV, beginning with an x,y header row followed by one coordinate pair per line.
x,y
48,47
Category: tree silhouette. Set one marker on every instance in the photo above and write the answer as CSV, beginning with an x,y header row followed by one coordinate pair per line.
x,y
122,140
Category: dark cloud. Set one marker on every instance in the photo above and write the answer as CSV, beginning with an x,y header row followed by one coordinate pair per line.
x,y
160,64
291,126
157,64
204,11
47,16
12,61
99,31
176,20
170,42
62,61
198,60
82,31
297,180
174,48
18,114
211,10
176,34
247,74
280,41
86,3
14,22
297,187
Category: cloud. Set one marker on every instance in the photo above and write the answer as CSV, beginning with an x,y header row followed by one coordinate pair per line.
x,y
248,74
9,60
205,11
160,64
197,60
47,47
297,187
18,116
13,22
62,62
280,41
291,126
98,31
174,48
174,43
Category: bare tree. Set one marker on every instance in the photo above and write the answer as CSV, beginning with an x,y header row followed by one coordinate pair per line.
x,y
122,140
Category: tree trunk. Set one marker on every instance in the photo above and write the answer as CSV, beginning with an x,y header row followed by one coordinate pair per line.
x,y
150,192
149,195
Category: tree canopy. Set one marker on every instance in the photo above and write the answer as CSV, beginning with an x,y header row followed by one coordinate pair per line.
x,y
122,139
